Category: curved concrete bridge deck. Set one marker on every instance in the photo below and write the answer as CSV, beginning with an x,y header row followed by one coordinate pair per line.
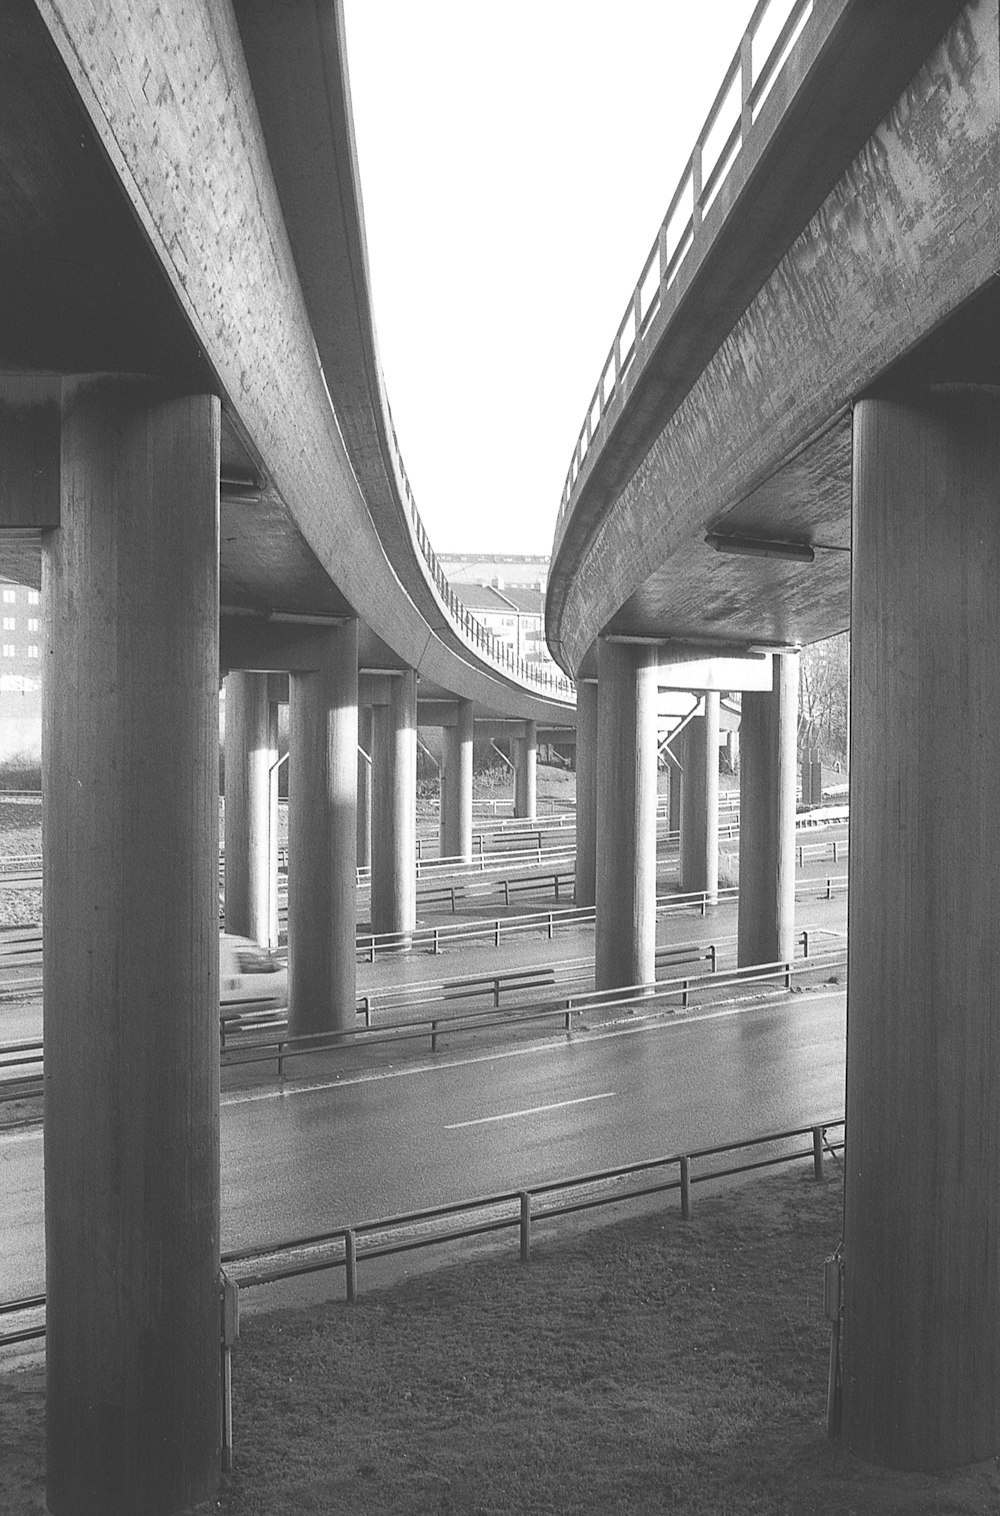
x,y
797,430
197,464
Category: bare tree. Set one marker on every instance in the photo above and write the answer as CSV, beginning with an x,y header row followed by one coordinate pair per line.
x,y
824,694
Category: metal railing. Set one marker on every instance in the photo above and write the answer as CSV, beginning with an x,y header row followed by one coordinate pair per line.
x,y
345,1247
716,150
480,638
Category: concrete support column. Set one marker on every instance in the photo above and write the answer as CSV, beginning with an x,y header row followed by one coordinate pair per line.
x,y
525,762
131,953
676,785
394,807
586,793
626,815
767,817
699,862
250,748
322,835
456,786
921,1358
365,727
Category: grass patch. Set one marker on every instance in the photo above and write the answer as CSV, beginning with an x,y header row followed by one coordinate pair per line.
x,y
648,1367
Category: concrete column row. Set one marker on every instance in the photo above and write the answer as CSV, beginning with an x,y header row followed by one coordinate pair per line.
x,y
617,803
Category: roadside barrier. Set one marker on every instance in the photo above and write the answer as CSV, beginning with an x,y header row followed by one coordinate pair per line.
x,y
520,1210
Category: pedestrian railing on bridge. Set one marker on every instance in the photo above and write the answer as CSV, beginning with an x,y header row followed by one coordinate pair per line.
x,y
775,25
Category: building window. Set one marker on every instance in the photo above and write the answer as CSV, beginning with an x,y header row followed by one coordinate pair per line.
x,y
32,623
32,650
8,649
10,597
9,623
33,597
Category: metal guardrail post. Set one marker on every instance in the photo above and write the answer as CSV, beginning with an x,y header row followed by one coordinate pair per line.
x,y
437,942
805,944
818,1136
351,1265
551,924
434,1040
569,1014
684,994
525,1226
496,933
281,1059
685,1165
829,889
229,1305
496,992
713,956
788,976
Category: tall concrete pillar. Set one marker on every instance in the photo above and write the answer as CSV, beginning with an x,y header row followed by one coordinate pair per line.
x,y
273,772
586,793
131,953
766,932
626,815
364,859
322,835
525,762
676,785
394,809
921,1366
456,785
699,861
251,749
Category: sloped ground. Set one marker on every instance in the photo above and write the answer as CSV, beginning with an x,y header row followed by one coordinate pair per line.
x,y
645,1366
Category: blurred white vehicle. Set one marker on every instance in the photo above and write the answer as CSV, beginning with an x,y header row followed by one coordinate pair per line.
x,y
249,974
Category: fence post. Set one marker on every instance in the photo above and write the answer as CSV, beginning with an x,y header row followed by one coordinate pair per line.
x,y
506,891
834,849
704,904
434,1040
788,976
685,1189
818,1135
829,889
569,1014
496,992
805,944
452,891
551,923
351,1265
281,1059
713,956
368,1011
437,941
525,1226
684,995
496,934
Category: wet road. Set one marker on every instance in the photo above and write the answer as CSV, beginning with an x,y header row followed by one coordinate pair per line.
x,y
421,1133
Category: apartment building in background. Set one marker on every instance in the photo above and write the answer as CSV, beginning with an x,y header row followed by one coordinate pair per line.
x,y
506,592
20,673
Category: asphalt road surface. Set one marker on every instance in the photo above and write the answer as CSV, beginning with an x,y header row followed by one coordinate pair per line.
x,y
336,1151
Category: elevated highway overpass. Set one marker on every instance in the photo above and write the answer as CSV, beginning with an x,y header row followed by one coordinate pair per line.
x,y
797,430
198,467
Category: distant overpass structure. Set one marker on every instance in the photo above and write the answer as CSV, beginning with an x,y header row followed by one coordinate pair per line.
x,y
200,473
797,430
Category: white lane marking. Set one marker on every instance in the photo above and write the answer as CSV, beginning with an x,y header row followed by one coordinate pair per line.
x,y
534,1110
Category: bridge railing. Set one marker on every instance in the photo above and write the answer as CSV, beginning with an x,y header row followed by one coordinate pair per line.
x,y
546,681
776,25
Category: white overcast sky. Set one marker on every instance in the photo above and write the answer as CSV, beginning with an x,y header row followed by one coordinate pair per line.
x,y
516,159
